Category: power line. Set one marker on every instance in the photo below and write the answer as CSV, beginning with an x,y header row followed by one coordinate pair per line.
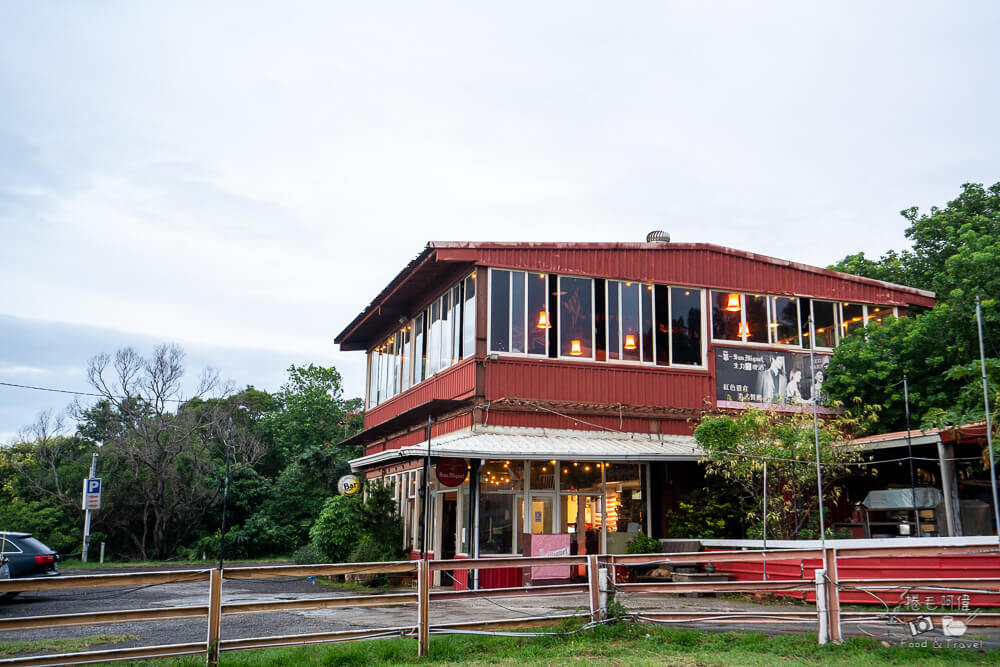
x,y
80,393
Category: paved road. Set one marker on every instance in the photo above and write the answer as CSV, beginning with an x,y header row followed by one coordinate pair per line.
x,y
327,620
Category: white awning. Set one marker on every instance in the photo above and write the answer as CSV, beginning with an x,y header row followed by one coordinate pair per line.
x,y
536,444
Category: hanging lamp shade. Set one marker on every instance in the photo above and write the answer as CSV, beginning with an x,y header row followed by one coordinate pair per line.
x,y
543,320
744,330
630,342
575,348
733,305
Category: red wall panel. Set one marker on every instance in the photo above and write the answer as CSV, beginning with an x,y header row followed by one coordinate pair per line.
x,y
589,382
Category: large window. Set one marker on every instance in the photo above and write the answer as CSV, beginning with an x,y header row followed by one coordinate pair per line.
x,y
685,326
436,338
519,313
576,317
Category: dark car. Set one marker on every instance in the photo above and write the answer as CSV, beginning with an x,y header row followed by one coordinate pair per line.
x,y
21,555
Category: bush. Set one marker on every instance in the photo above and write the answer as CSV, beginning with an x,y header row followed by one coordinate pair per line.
x,y
307,555
338,528
641,544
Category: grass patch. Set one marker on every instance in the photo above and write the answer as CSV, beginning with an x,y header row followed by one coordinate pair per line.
x,y
617,644
65,645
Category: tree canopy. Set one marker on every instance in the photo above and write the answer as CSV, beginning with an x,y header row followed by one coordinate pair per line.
x,y
956,253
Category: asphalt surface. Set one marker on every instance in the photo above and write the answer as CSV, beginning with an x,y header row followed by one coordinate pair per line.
x,y
41,603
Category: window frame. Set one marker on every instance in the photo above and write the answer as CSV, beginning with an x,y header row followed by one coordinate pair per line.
x,y
593,319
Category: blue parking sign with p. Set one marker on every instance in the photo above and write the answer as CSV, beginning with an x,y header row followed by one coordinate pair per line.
x,y
94,485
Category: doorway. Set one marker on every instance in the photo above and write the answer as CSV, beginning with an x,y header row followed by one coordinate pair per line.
x,y
449,532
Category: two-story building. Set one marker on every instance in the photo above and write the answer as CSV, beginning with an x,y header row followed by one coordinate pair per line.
x,y
553,387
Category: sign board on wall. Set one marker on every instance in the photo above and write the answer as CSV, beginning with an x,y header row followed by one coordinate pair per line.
x,y
451,472
769,379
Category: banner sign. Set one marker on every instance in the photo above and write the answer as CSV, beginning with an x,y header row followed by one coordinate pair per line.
x,y
769,379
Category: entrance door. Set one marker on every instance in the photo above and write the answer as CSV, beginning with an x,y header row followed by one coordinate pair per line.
x,y
449,530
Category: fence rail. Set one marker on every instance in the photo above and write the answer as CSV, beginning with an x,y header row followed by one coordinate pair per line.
x,y
599,588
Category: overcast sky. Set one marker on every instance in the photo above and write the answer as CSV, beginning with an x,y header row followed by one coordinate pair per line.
x,y
242,178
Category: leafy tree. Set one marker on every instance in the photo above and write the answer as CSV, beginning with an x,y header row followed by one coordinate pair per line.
x,y
956,253
736,448
158,447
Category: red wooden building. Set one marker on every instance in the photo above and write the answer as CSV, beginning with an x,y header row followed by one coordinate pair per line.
x,y
564,377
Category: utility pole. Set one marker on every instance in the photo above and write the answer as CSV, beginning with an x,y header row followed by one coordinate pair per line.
x,y
86,518
909,455
989,425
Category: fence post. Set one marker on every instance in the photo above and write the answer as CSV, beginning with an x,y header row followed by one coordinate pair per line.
x,y
594,588
832,594
821,605
214,618
423,608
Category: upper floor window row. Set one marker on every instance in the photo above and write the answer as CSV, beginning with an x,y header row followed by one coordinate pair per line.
x,y
439,336
739,317
569,317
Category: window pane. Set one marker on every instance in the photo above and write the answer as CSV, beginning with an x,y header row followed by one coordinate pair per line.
x,y
614,321
456,322
434,339
878,314
756,325
543,475
405,357
444,360
373,378
576,317
499,311
631,334
626,507
538,314
726,315
385,371
419,351
496,523
517,312
853,317
785,326
685,312
646,292
580,476
661,324
394,355
469,318
824,324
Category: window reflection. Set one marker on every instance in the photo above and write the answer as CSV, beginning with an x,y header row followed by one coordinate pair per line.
x,y
726,316
576,317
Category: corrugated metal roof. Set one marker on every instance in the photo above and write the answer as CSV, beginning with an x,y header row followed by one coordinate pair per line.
x,y
536,444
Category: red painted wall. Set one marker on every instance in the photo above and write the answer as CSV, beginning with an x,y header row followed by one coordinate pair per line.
x,y
596,382
456,382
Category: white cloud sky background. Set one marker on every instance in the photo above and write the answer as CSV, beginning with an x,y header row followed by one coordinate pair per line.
x,y
243,178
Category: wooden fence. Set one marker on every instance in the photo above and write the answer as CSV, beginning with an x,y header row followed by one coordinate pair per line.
x,y
598,587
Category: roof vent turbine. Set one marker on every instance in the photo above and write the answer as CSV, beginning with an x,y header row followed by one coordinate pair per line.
x,y
658,237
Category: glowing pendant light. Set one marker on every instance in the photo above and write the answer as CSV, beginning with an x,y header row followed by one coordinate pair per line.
x,y
744,330
630,342
575,348
543,320
733,305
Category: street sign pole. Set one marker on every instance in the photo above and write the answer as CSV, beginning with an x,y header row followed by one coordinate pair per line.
x,y
86,519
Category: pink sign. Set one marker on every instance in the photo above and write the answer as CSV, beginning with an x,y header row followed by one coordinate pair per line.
x,y
550,545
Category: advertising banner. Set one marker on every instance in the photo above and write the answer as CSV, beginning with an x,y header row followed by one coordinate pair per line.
x,y
769,379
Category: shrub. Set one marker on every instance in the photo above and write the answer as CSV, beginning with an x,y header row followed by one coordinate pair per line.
x,y
307,555
338,528
641,544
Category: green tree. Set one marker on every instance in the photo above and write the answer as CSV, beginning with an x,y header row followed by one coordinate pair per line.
x,y
737,447
956,253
